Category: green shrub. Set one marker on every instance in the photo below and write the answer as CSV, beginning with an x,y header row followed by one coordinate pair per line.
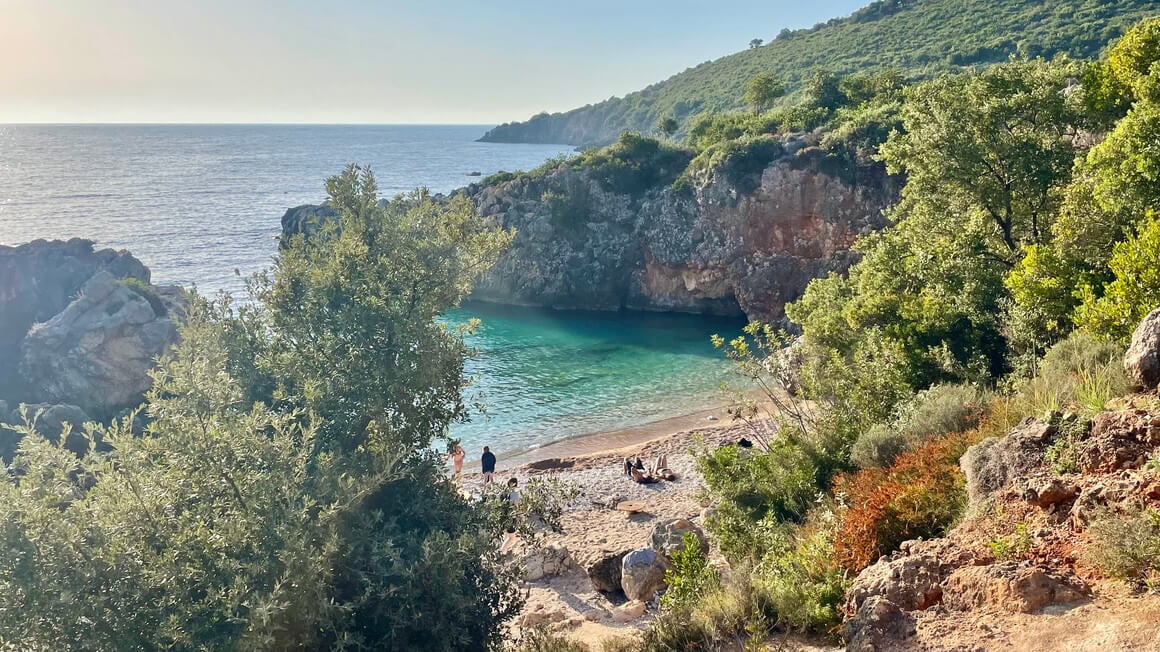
x,y
720,615
740,161
1015,546
1128,548
802,584
1133,294
147,292
634,164
1079,373
941,410
752,485
690,574
877,447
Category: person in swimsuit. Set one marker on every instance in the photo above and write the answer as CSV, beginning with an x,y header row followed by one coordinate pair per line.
x,y
457,456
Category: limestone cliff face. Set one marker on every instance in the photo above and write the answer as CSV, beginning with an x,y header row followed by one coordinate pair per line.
x,y
706,248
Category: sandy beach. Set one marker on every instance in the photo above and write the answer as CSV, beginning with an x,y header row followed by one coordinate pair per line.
x,y
594,529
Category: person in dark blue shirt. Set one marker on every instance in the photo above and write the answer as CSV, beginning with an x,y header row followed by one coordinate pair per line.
x,y
487,462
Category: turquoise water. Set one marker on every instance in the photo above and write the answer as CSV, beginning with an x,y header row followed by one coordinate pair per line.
x,y
197,202
546,376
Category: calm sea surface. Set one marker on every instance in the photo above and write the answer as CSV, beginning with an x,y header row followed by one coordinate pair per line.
x,y
197,202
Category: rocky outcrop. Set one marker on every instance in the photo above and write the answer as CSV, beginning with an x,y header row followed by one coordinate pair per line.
x,y
1007,587
49,420
306,219
993,463
1142,361
718,245
707,248
97,352
37,281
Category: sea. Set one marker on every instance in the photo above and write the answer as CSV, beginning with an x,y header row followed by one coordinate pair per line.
x,y
200,205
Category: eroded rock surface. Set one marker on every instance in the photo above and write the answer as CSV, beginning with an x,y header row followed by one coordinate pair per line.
x,y
37,281
97,352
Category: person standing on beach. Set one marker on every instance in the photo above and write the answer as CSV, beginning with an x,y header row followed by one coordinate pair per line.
x,y
457,456
487,462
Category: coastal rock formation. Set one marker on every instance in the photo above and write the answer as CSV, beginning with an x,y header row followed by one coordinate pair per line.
x,y
37,281
306,219
79,330
710,247
97,352
717,245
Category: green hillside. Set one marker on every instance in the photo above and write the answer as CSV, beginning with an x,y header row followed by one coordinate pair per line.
x,y
919,38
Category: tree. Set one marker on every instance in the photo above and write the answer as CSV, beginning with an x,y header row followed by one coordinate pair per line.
x,y
1133,293
668,126
761,92
994,145
284,494
756,43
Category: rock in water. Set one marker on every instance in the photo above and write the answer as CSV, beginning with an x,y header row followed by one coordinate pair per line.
x,y
1142,361
98,351
642,574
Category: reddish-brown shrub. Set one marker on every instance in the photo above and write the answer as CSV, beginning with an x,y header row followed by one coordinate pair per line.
x,y
920,495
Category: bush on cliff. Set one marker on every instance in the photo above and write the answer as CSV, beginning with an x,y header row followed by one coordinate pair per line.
x,y
634,164
919,496
284,494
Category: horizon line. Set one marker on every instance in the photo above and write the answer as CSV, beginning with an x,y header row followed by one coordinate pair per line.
x,y
249,124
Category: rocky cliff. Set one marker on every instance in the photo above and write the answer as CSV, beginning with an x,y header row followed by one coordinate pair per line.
x,y
705,246
716,244
78,327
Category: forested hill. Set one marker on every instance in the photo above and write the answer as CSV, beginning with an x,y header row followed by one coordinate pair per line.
x,y
916,37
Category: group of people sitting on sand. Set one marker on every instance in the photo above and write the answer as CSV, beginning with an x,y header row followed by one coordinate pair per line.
x,y
659,470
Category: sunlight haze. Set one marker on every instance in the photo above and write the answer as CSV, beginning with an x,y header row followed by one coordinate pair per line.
x,y
356,61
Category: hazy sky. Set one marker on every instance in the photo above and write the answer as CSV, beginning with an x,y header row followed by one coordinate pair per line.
x,y
362,61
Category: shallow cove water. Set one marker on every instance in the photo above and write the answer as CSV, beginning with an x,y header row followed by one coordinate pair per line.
x,y
197,202
547,375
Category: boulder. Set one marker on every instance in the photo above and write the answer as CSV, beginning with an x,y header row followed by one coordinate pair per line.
x,y
98,351
643,574
878,625
1006,587
37,281
1142,360
669,536
603,568
993,463
546,561
911,578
